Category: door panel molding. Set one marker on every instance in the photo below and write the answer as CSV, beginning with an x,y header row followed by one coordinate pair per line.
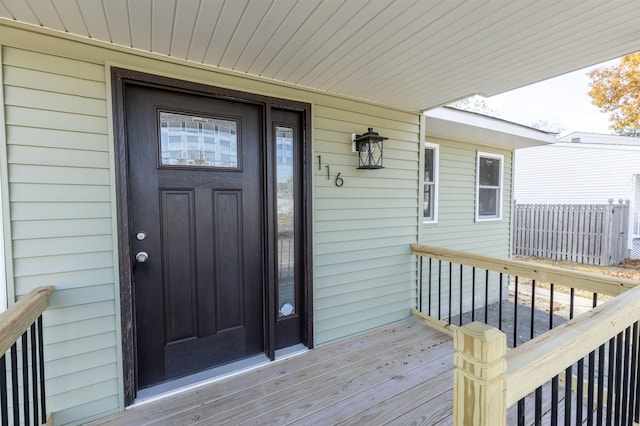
x,y
120,79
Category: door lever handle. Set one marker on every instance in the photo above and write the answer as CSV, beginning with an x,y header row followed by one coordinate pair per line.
x,y
142,256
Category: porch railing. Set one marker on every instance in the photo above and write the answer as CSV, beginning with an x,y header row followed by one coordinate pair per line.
x,y
22,380
585,368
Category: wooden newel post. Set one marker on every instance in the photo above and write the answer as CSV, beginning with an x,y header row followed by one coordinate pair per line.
x,y
478,379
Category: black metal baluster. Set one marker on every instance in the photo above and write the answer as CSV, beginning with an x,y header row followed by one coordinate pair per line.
x,y
450,288
538,408
591,388
4,403
473,294
460,316
533,309
515,315
43,402
636,411
34,373
14,384
486,296
440,289
580,391
625,375
571,304
554,400
521,413
610,377
618,389
419,304
430,290
600,409
568,384
25,379
634,376
500,303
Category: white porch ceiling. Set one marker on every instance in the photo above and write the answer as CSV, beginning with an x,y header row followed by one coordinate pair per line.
x,y
415,54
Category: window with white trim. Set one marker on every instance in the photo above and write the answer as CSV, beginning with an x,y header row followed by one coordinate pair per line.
x,y
489,186
430,183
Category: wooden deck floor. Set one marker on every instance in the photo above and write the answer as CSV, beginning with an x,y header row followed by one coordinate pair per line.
x,y
401,374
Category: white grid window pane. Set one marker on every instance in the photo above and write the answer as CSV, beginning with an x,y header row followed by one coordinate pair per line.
x,y
187,140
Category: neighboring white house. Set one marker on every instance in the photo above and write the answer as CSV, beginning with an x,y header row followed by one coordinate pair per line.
x,y
587,168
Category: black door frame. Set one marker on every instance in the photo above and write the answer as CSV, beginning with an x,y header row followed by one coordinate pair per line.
x,y
122,77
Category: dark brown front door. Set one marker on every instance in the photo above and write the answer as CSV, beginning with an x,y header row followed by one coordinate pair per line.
x,y
196,219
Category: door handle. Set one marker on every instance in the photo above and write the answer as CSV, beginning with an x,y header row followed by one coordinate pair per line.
x,y
142,256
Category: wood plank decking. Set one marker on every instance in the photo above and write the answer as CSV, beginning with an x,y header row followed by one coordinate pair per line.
x,y
401,374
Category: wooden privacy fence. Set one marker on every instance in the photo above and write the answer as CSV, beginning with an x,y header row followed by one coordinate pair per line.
x,y
594,234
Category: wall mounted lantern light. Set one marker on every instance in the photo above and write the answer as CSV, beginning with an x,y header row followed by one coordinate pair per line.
x,y
369,147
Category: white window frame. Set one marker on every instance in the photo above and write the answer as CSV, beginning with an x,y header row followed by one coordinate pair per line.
x,y
436,180
500,188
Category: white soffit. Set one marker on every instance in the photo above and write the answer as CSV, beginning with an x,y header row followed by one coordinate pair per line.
x,y
414,54
465,126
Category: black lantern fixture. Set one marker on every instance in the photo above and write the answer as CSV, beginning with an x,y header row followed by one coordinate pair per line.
x,y
369,147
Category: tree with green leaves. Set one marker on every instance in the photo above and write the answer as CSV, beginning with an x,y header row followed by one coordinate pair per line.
x,y
616,90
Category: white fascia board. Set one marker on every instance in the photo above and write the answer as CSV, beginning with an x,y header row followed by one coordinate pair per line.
x,y
465,126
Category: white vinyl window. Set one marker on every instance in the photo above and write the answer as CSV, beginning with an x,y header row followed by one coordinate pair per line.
x,y
430,183
489,186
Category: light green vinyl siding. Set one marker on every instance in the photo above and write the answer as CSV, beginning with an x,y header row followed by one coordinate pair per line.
x,y
63,229
364,274
457,227
61,224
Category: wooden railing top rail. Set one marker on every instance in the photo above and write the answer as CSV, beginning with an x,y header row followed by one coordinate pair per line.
x,y
601,284
19,317
537,361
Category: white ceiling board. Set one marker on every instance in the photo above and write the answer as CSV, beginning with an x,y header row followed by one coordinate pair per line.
x,y
345,55
47,15
311,37
119,28
21,11
207,16
403,52
531,53
71,17
439,48
186,15
414,54
330,51
263,33
140,24
388,43
244,31
343,17
95,20
4,11
162,27
225,28
294,19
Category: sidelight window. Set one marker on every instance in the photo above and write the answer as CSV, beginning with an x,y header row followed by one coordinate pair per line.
x,y
285,221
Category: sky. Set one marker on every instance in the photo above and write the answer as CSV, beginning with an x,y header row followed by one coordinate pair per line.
x,y
562,101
